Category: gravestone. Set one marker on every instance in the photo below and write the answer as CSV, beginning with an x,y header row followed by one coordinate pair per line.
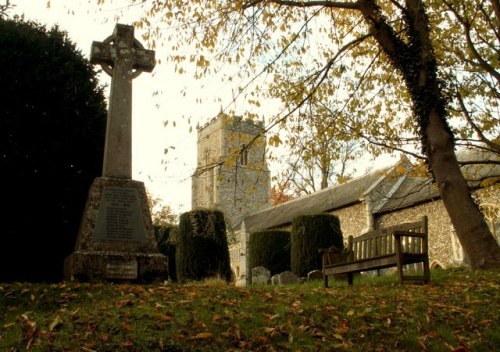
x,y
315,275
115,240
285,278
260,276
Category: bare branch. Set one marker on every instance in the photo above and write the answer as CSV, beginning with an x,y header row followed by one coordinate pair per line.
x,y
467,28
476,129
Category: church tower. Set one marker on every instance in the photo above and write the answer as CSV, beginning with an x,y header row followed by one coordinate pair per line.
x,y
232,173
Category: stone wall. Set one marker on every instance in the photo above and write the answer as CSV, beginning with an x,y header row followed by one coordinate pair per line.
x,y
208,154
234,181
353,220
242,191
444,247
443,250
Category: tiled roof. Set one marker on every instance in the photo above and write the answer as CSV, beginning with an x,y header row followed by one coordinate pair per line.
x,y
407,190
322,201
414,190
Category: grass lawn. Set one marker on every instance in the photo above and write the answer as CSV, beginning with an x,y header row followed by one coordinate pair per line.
x,y
459,311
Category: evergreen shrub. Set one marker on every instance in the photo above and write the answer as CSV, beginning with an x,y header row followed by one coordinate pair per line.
x,y
166,239
309,234
52,126
270,249
202,250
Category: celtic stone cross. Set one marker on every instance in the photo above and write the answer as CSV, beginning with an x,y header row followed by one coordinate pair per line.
x,y
123,58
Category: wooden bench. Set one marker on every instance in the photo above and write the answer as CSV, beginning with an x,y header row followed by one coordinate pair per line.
x,y
394,246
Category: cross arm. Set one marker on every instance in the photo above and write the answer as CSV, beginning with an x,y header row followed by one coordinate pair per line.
x,y
100,53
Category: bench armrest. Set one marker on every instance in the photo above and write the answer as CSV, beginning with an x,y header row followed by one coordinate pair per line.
x,y
333,255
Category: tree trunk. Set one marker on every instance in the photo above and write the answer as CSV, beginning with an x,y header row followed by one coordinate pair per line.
x,y
481,248
415,60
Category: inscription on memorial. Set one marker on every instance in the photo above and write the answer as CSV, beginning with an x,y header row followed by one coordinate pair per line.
x,y
121,270
120,218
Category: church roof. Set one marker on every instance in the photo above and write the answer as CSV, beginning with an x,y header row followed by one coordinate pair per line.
x,y
389,193
414,190
325,200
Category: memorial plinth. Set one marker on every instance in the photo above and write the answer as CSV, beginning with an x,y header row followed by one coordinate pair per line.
x,y
116,239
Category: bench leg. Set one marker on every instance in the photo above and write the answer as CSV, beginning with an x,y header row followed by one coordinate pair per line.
x,y
350,279
427,273
325,281
400,273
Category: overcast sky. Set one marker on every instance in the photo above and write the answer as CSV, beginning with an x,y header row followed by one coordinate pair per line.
x,y
166,175
164,155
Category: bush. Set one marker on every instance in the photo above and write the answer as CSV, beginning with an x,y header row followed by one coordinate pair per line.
x,y
166,239
309,234
202,249
53,119
270,249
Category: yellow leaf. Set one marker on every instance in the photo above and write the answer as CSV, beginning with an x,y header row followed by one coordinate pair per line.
x,y
57,321
350,313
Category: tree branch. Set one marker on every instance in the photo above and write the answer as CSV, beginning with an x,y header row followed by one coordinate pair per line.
x,y
303,4
467,28
476,129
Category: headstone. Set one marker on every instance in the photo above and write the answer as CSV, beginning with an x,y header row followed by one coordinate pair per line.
x,y
285,278
315,275
116,241
260,276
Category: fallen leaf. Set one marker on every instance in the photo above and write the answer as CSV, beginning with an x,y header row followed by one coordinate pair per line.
x,y
202,336
199,325
167,317
124,303
57,321
262,339
128,344
127,327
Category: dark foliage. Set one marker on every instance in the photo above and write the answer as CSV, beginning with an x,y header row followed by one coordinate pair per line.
x,y
309,234
166,238
270,249
53,118
202,249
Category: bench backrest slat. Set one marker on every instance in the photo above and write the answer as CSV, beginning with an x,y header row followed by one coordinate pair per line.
x,y
381,242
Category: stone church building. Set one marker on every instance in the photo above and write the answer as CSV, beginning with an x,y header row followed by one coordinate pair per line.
x,y
232,176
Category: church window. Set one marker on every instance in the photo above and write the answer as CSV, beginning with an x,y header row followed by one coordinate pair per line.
x,y
206,156
491,212
244,155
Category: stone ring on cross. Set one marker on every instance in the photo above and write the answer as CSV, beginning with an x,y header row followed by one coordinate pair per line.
x,y
108,68
121,52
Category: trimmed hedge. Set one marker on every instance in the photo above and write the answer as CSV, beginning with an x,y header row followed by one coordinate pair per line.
x,y
202,249
166,240
270,249
310,233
